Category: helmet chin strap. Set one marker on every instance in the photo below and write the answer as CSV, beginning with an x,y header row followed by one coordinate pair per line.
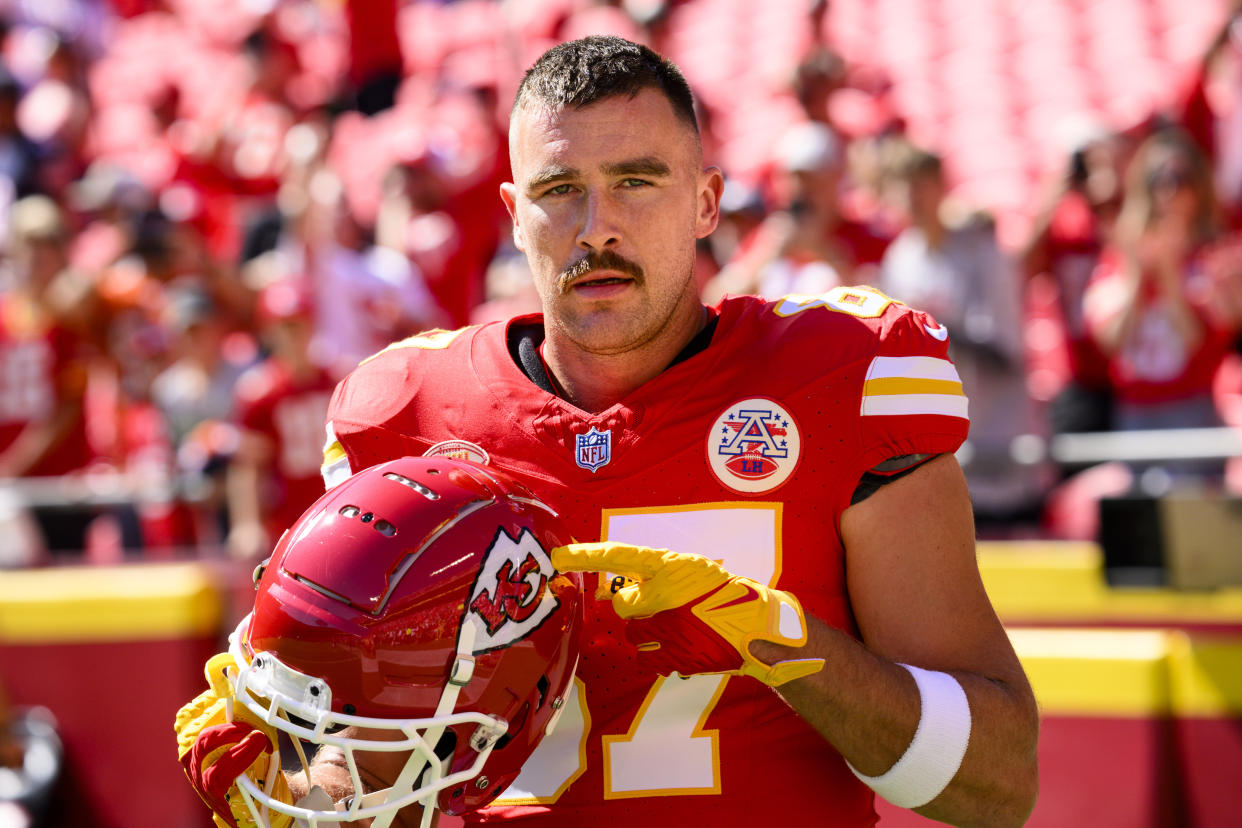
x,y
459,677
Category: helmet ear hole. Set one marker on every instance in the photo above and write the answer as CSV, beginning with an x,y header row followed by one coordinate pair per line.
x,y
446,746
542,686
515,727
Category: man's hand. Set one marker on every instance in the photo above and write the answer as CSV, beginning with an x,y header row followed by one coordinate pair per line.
x,y
690,615
214,751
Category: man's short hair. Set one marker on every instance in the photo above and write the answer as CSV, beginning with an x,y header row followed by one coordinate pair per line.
x,y
581,72
911,162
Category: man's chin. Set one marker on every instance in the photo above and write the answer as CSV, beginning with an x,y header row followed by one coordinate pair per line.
x,y
604,334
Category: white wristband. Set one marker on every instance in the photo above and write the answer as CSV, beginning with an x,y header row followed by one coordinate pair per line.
x,y
935,753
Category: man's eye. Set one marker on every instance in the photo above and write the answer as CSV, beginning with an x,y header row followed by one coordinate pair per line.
x,y
632,183
559,189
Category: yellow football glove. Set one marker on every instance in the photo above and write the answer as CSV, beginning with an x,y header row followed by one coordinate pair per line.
x,y
214,751
688,614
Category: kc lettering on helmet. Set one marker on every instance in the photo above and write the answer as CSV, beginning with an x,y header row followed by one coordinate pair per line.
x,y
511,598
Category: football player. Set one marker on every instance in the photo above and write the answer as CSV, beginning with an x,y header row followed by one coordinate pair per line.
x,y
787,613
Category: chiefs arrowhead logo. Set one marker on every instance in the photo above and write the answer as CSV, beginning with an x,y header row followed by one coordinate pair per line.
x,y
515,598
510,598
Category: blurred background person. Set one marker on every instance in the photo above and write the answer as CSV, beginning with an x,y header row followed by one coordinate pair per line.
x,y
281,403
44,361
953,268
365,295
19,157
1153,306
194,397
197,385
1057,259
807,244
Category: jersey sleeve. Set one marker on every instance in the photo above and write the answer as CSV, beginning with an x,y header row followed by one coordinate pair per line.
x,y
912,401
367,416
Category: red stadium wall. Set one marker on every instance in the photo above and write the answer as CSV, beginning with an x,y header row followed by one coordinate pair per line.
x,y
113,653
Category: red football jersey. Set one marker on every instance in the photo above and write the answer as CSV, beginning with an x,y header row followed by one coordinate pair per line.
x,y
747,452
1153,363
289,413
41,366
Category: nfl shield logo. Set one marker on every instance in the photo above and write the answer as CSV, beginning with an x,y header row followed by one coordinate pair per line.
x,y
593,449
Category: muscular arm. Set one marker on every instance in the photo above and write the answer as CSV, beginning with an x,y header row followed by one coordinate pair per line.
x,y
918,599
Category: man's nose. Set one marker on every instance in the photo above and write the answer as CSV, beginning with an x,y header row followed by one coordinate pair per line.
x,y
599,229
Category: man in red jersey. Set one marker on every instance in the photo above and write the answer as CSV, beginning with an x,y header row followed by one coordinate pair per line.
x,y
273,476
43,366
821,605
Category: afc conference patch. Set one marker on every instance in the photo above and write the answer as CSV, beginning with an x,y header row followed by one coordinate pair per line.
x,y
754,446
593,449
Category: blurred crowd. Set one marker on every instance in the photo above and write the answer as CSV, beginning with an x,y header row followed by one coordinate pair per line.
x,y
209,212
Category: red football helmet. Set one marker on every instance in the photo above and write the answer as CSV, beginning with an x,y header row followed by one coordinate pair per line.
x,y
417,598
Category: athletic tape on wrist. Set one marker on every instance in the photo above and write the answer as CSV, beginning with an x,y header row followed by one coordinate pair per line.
x,y
935,753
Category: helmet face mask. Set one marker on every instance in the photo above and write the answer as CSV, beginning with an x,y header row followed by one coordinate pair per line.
x,y
412,610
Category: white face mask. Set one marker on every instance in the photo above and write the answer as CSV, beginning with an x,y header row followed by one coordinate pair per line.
x,y
301,706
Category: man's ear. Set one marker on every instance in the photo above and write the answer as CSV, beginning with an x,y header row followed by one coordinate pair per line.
x,y
508,194
711,187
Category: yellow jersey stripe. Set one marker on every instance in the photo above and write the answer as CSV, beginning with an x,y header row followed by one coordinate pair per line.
x,y
911,385
334,452
335,468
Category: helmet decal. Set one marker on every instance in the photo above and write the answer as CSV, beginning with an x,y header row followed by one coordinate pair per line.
x,y
510,597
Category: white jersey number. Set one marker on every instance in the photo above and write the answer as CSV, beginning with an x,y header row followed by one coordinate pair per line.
x,y
667,750
299,422
26,384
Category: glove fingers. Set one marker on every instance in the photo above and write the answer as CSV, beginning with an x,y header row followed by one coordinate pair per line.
x,y
683,580
221,754
240,758
214,671
205,711
639,562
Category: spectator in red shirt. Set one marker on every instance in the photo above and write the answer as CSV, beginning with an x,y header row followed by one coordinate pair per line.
x,y
1061,252
1153,306
281,405
43,364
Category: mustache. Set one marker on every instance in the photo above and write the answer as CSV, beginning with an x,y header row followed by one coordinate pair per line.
x,y
600,260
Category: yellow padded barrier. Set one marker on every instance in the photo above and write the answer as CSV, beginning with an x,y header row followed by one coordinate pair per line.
x,y
1131,672
1087,672
1206,675
1047,581
108,603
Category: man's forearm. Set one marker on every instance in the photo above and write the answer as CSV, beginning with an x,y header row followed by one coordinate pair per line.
x,y
868,708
